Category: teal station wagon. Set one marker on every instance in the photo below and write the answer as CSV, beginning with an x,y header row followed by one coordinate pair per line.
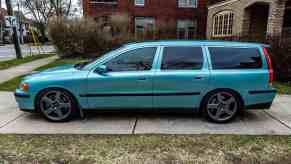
x,y
217,79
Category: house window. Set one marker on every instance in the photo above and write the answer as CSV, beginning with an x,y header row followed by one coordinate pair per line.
x,y
187,3
139,2
223,24
144,25
112,2
186,29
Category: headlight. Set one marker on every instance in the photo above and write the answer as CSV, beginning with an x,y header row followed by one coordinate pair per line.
x,y
24,87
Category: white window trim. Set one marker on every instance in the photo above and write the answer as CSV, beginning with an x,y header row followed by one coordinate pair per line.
x,y
188,6
146,23
103,2
213,24
139,4
187,36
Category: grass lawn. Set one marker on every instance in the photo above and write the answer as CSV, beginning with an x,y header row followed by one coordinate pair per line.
x,y
160,149
283,88
15,62
13,83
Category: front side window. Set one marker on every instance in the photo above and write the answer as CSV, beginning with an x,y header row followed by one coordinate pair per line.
x,y
182,58
186,29
223,24
235,58
139,2
187,3
134,60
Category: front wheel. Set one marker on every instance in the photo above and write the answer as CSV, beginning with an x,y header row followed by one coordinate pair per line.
x,y
56,105
221,106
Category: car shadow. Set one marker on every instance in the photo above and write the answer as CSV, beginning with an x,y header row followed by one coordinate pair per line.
x,y
250,116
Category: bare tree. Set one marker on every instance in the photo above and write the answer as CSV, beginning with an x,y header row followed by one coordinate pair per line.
x,y
43,10
61,7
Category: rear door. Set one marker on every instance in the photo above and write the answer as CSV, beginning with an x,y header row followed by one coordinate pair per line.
x,y
181,77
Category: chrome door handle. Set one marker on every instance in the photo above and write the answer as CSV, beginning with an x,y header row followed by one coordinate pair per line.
x,y
199,78
142,79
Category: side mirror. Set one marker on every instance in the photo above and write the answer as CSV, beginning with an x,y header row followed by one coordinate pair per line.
x,y
102,69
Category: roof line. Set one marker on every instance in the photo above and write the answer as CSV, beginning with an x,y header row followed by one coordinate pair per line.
x,y
222,3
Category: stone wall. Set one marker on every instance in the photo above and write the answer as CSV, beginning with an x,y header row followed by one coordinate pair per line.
x,y
242,17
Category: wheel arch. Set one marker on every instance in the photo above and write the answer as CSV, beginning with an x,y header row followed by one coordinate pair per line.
x,y
39,93
222,89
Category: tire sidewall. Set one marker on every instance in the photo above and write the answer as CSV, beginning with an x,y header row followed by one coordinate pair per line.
x,y
205,102
73,105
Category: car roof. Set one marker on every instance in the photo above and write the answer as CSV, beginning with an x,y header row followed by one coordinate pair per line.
x,y
198,43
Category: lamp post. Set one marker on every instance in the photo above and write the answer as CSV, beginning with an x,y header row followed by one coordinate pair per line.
x,y
15,34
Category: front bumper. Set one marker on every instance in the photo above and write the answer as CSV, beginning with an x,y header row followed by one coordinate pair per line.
x,y
24,100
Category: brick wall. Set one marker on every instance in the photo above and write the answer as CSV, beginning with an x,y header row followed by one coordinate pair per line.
x,y
161,10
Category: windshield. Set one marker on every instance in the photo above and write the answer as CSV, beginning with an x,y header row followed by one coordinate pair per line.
x,y
92,61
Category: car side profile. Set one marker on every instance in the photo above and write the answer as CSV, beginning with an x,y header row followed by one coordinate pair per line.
x,y
218,79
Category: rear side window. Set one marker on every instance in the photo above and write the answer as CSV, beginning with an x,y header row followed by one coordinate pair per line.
x,y
235,58
182,58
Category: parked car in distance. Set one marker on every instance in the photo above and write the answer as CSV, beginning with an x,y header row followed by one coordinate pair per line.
x,y
217,79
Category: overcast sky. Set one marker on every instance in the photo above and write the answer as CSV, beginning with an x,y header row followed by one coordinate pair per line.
x,y
75,5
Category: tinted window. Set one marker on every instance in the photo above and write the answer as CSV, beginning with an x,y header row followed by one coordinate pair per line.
x,y
135,60
182,58
235,58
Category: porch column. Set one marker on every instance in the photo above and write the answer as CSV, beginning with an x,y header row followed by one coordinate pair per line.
x,y
276,18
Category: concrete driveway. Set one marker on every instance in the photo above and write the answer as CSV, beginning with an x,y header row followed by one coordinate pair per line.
x,y
276,121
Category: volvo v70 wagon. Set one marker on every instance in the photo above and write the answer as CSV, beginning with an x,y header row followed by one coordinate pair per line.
x,y
218,79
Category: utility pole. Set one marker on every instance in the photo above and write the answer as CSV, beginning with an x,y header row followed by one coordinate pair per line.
x,y
15,33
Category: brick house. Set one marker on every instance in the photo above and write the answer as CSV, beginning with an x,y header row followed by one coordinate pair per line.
x,y
252,18
187,16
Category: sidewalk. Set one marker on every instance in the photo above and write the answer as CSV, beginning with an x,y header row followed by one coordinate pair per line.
x,y
23,69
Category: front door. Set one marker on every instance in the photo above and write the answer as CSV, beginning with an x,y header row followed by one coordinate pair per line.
x,y
182,79
127,84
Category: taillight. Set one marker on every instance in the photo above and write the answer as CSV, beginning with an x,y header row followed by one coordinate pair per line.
x,y
270,66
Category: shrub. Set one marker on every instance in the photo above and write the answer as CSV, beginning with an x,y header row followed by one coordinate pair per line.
x,y
86,37
281,55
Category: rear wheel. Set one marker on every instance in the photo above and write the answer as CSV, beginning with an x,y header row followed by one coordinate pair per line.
x,y
221,106
56,105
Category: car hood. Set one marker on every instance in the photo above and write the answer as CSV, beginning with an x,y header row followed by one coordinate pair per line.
x,y
60,70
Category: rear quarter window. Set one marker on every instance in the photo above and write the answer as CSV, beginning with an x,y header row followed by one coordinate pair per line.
x,y
235,58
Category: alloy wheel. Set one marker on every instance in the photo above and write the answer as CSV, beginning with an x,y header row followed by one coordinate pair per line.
x,y
56,105
222,106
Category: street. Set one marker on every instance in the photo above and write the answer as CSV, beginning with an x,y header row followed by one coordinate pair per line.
x,y
7,52
270,122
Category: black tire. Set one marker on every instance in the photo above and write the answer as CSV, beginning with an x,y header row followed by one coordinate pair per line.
x,y
66,97
208,113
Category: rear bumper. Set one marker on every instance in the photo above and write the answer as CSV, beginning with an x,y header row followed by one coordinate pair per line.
x,y
260,106
261,99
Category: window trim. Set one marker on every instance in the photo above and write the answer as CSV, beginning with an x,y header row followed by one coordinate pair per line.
x,y
195,27
144,29
191,6
159,66
103,2
233,69
217,15
126,51
139,4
